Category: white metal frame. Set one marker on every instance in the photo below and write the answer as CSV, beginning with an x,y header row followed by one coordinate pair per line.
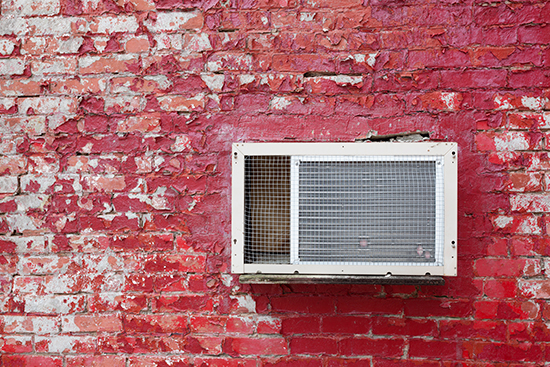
x,y
448,155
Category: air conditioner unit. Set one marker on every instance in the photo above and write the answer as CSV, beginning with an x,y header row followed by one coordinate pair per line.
x,y
344,208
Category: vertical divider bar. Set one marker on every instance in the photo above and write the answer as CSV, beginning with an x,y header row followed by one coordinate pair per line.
x,y
294,209
439,210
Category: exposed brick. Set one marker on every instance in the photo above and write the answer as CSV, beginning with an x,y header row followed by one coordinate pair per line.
x,y
12,66
31,7
177,21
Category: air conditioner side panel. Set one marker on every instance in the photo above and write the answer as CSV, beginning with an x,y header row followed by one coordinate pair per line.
x,y
451,210
237,211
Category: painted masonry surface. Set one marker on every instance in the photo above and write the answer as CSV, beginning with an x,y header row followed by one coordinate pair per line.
x,y
117,119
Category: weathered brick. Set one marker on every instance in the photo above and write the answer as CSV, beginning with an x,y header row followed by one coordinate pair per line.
x,y
112,24
65,344
95,323
96,361
253,346
31,7
100,64
30,324
31,360
176,21
12,66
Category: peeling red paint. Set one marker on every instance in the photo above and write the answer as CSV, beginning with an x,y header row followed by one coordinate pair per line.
x,y
116,119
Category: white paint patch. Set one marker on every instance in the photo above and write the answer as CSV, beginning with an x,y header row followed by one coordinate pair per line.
x,y
51,304
511,141
60,284
102,263
21,223
451,100
502,221
6,47
197,42
181,144
172,21
70,46
214,65
280,103
503,103
246,79
226,279
113,283
31,201
112,24
545,123
529,226
8,184
213,81
191,205
58,344
345,80
372,59
245,301
534,103
307,17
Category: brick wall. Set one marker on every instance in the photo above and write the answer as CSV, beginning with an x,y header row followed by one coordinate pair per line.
x,y
117,118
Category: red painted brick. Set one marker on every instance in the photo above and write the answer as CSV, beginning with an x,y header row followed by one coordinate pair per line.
x,y
438,307
31,361
313,304
379,362
421,348
346,325
505,267
313,345
369,346
253,346
181,303
301,325
501,352
357,304
103,323
148,361
96,361
510,310
530,78
389,326
473,78
455,329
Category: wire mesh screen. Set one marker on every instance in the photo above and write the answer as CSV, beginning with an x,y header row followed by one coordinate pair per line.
x,y
343,210
267,210
356,210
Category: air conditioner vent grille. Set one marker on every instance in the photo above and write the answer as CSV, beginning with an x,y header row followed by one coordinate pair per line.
x,y
343,210
267,210
357,210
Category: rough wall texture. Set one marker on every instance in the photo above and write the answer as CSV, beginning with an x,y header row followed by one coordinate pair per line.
x,y
116,121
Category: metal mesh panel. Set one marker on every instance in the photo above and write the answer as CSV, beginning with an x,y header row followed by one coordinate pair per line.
x,y
343,210
359,210
267,210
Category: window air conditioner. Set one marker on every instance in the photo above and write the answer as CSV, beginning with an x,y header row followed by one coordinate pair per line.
x,y
344,208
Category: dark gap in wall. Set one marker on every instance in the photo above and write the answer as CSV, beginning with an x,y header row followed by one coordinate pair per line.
x,y
406,136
